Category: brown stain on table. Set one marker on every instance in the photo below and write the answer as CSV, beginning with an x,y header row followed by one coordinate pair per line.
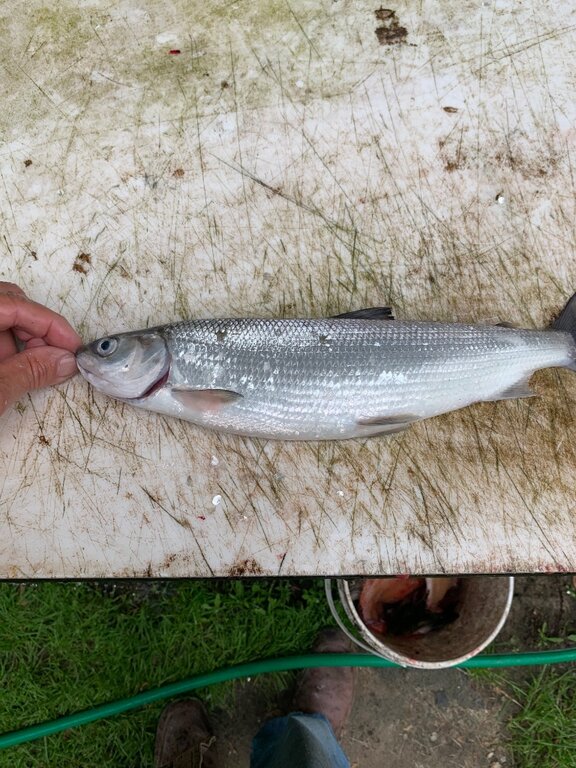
x,y
248,567
81,263
390,31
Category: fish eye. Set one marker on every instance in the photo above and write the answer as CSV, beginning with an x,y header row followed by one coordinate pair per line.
x,y
106,347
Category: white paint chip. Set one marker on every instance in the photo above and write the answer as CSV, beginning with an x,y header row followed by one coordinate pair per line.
x,y
166,38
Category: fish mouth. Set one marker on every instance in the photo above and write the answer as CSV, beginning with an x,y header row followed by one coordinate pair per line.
x,y
88,374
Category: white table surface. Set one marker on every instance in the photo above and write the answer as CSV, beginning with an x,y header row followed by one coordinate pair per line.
x,y
286,163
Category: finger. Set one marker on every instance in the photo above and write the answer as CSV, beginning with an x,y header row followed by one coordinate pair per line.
x,y
22,335
32,320
11,288
33,343
33,369
7,345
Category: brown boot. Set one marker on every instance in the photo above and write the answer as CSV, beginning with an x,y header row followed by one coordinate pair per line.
x,y
328,691
184,737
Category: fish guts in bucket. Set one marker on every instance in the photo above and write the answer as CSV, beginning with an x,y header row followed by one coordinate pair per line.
x,y
479,611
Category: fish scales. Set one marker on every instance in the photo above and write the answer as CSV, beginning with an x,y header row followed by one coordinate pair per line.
x,y
317,379
324,375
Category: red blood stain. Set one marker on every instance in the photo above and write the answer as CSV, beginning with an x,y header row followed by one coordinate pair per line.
x,y
200,517
175,51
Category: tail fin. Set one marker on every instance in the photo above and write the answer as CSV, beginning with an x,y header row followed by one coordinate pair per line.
x,y
567,319
567,322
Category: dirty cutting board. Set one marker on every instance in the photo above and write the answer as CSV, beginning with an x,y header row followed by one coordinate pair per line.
x,y
200,159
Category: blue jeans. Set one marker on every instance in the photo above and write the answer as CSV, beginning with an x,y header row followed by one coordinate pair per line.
x,y
297,741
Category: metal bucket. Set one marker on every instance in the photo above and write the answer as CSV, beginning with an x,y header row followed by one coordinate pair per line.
x,y
484,604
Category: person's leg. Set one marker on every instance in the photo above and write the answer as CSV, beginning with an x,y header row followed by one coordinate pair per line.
x,y
184,737
297,740
308,738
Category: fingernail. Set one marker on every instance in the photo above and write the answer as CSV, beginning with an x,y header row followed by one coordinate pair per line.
x,y
66,365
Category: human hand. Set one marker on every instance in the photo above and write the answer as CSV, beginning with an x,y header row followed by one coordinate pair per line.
x,y
48,339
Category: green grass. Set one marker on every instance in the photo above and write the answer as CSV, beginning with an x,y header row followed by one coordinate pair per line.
x,y
67,647
540,715
543,732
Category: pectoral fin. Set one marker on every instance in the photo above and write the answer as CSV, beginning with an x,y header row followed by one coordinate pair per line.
x,y
370,313
205,399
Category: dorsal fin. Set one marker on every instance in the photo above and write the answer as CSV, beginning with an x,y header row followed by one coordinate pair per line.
x,y
370,313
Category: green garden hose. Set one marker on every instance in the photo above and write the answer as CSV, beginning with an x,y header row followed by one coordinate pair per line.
x,y
256,668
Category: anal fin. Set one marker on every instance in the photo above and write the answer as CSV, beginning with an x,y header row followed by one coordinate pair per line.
x,y
388,424
516,391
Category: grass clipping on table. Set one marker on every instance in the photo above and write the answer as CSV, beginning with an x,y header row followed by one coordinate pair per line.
x,y
68,647
543,732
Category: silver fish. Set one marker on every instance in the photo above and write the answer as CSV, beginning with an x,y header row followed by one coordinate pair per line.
x,y
354,375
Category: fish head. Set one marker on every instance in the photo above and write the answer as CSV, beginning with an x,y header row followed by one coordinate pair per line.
x,y
127,366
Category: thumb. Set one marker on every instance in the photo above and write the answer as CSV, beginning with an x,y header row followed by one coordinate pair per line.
x,y
33,369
